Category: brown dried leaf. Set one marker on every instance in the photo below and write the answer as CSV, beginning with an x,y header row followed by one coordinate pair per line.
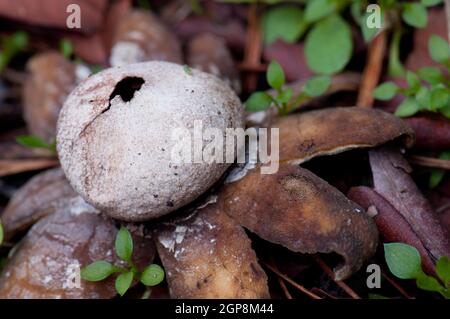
x,y
210,256
392,181
432,131
335,130
300,211
392,226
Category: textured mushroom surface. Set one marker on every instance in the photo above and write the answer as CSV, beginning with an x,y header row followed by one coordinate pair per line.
x,y
209,53
335,130
116,137
210,256
298,210
51,79
40,196
43,264
141,37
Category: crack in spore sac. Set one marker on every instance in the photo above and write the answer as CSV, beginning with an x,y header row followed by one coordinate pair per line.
x,y
125,88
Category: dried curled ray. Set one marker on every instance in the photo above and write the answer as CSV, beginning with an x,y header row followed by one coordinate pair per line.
x,y
39,197
210,256
77,234
392,181
298,210
51,79
209,53
335,130
140,36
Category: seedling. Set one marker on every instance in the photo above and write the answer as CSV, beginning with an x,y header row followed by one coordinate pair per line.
x,y
428,89
404,262
33,141
438,174
152,275
284,99
11,46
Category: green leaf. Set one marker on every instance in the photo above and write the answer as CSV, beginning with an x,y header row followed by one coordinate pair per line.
x,y
395,67
443,270
317,85
97,271
423,97
428,283
430,3
275,75
124,244
152,275
187,69
285,96
19,40
329,46
369,33
123,282
415,14
407,108
258,101
445,111
431,75
32,141
436,177
439,98
385,91
413,81
318,9
285,22
437,174
438,48
66,48
403,260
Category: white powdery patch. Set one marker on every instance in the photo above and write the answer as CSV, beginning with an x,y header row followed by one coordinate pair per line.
x,y
82,72
79,206
124,53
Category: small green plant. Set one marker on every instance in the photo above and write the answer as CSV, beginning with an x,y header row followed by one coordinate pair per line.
x,y
428,89
11,46
152,275
33,141
328,37
285,101
66,48
438,174
404,262
187,69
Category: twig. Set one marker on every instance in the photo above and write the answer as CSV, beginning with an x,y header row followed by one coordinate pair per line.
x,y
442,208
253,47
10,167
396,286
429,162
321,291
292,282
340,283
372,70
284,288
